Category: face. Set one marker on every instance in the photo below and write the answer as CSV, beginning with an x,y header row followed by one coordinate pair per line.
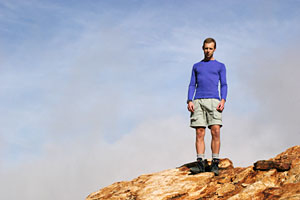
x,y
209,49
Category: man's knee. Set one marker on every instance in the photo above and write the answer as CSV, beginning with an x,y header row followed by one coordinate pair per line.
x,y
215,131
200,132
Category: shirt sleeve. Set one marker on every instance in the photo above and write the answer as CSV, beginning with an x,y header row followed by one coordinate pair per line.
x,y
192,85
223,82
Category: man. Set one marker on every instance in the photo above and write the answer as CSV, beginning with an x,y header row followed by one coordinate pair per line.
x,y
207,106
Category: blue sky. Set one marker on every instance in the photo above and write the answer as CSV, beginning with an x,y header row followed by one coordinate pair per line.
x,y
89,89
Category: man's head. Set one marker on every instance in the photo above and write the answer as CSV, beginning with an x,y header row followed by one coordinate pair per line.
x,y
209,47
210,40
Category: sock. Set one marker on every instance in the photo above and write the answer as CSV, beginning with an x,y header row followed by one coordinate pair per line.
x,y
215,156
200,156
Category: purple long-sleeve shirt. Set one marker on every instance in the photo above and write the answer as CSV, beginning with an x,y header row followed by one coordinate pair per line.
x,y
205,80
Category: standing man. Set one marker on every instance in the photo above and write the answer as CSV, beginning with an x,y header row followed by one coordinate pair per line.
x,y
207,106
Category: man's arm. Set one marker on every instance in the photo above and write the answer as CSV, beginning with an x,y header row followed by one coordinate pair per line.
x,y
192,85
191,91
223,82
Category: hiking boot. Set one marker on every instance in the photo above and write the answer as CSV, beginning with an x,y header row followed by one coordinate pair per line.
x,y
200,167
206,166
215,166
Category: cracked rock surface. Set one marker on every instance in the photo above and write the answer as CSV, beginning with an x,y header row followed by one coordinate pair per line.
x,y
276,178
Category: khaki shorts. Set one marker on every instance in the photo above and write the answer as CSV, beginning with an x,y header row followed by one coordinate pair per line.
x,y
205,113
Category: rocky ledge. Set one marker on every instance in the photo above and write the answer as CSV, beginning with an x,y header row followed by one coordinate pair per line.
x,y
276,178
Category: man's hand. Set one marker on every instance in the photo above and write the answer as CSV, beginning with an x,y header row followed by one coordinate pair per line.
x,y
220,106
190,106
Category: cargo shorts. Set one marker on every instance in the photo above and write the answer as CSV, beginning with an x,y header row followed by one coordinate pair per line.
x,y
205,113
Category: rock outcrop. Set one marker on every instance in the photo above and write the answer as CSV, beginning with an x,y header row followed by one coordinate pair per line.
x,y
276,178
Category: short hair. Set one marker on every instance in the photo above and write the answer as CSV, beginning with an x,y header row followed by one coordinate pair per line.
x,y
209,40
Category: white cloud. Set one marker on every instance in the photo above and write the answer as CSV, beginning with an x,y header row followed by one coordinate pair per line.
x,y
108,104
77,167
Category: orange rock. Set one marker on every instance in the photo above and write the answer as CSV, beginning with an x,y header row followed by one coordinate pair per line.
x,y
270,164
280,179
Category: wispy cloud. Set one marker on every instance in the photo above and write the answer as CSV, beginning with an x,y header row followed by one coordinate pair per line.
x,y
99,95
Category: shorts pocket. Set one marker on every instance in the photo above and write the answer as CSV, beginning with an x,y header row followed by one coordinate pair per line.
x,y
217,115
193,119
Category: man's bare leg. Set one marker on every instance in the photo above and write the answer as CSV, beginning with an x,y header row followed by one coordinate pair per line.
x,y
200,145
200,148
215,148
215,139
